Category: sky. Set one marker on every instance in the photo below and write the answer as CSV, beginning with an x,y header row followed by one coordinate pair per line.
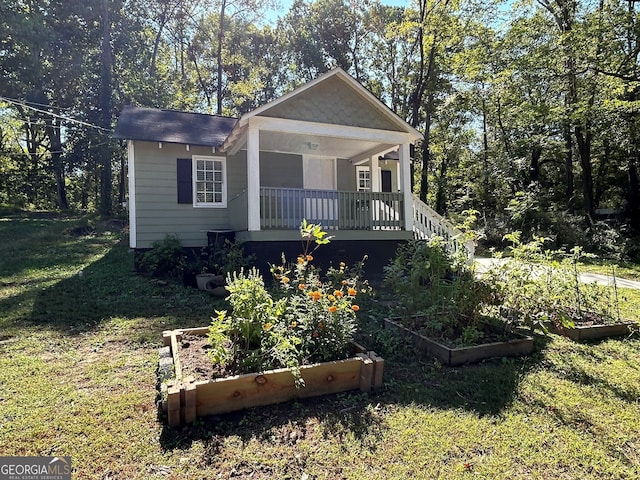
x,y
272,16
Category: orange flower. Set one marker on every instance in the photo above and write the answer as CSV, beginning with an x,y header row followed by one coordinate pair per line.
x,y
309,258
331,298
337,293
352,291
302,286
315,295
267,326
300,260
285,280
344,282
333,309
355,308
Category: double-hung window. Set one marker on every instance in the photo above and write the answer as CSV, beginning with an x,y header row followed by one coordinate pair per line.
x,y
209,182
363,177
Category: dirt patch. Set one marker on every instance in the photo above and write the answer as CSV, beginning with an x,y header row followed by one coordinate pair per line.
x,y
194,360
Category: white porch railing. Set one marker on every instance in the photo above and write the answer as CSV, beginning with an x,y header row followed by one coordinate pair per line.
x,y
428,223
284,209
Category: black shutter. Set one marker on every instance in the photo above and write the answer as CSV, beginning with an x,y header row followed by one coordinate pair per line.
x,y
185,185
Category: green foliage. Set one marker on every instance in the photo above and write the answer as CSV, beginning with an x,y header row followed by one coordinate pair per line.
x,y
224,259
164,259
81,352
441,288
310,321
537,285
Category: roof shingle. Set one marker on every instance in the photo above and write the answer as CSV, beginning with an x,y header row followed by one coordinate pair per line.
x,y
154,125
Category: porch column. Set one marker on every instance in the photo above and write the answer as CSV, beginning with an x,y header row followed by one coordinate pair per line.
x,y
253,178
405,186
375,174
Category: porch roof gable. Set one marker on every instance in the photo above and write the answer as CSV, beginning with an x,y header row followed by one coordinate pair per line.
x,y
333,98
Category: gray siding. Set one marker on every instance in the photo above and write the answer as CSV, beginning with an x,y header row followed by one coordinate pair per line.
x,y
346,174
332,101
280,170
157,210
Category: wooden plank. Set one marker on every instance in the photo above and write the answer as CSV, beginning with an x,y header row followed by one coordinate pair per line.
x,y
166,338
176,354
460,356
202,331
251,390
378,369
366,372
173,404
190,397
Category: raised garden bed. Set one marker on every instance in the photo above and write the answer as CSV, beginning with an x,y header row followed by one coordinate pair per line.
x,y
523,345
188,398
595,331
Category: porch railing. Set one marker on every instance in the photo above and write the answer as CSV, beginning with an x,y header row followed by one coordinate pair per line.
x,y
428,223
284,209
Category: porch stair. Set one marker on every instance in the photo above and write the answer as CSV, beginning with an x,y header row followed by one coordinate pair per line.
x,y
428,223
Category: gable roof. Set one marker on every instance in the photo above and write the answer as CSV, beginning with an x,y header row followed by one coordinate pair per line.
x,y
324,100
170,126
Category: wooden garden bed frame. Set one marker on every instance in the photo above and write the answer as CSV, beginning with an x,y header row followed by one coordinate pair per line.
x,y
188,399
595,332
462,355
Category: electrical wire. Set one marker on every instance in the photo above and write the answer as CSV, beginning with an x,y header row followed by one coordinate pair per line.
x,y
63,117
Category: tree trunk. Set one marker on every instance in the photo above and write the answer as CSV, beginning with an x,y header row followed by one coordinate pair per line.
x,y
583,140
221,28
441,197
426,152
534,166
568,166
105,111
485,158
55,145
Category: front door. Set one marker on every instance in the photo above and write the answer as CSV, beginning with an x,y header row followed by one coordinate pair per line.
x,y
385,176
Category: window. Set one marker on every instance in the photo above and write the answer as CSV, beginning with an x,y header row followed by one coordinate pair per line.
x,y
209,182
363,179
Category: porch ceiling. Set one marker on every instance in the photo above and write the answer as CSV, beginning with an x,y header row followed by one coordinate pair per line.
x,y
284,142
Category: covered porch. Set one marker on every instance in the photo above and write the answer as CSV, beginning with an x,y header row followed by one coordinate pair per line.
x,y
336,181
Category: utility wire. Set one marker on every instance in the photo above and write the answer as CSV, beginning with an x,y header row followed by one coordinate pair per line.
x,y
63,117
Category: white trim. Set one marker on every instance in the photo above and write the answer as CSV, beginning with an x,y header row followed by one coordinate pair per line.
x,y
253,178
365,157
131,173
375,174
405,185
194,160
389,137
363,168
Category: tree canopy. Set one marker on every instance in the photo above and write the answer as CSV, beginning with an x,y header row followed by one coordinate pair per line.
x,y
529,109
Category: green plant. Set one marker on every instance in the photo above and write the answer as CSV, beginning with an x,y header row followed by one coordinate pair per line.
x,y
227,258
537,285
441,288
311,321
164,259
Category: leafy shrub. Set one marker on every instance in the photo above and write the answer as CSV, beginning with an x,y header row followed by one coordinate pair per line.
x,y
537,285
221,260
311,321
164,259
441,288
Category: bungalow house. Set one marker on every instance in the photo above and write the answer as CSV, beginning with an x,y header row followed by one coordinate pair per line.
x,y
328,151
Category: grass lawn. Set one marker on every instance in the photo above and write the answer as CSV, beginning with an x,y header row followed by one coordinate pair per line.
x,y
79,332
